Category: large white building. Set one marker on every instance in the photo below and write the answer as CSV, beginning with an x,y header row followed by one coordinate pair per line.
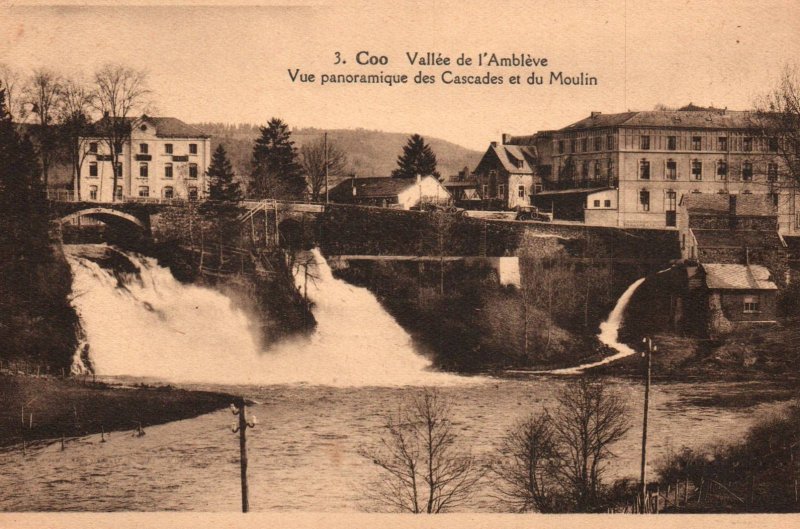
x,y
163,158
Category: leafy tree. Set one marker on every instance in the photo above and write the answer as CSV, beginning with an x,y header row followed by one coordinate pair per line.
x,y
276,171
222,183
417,159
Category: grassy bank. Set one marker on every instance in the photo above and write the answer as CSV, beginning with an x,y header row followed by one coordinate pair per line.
x,y
71,408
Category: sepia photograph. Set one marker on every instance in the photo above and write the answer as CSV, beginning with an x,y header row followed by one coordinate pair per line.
x,y
344,263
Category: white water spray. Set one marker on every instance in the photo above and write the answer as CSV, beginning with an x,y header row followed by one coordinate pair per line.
x,y
154,326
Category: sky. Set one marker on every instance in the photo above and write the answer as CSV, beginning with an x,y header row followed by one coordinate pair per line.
x,y
230,63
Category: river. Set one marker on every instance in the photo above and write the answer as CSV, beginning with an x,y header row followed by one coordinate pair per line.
x,y
317,400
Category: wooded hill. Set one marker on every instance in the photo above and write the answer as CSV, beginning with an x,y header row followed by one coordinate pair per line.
x,y
369,152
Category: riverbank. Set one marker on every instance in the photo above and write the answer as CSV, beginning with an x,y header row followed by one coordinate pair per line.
x,y
52,407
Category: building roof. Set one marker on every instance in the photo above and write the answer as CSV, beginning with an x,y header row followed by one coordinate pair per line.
x,y
737,277
372,187
516,159
693,119
166,127
737,239
747,205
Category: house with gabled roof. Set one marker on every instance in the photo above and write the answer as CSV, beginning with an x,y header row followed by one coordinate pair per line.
x,y
162,158
387,191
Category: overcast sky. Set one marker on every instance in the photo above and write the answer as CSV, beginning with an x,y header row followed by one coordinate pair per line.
x,y
230,64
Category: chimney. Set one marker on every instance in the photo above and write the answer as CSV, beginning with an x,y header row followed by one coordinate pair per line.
x,y
506,138
595,114
494,144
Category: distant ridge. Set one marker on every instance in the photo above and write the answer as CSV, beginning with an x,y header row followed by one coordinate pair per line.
x,y
369,152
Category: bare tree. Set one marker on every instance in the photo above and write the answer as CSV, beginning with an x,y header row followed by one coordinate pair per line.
x,y
527,468
588,420
778,118
10,79
423,469
42,97
313,157
75,106
119,92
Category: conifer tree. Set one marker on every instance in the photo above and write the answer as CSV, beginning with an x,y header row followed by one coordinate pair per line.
x,y
417,159
276,170
222,184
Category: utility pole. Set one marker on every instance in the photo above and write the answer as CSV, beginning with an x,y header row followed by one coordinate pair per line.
x,y
647,354
327,196
241,428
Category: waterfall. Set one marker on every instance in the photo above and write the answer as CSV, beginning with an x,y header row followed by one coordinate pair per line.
x,y
149,325
609,334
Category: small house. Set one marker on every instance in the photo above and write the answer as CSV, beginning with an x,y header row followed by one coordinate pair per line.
x,y
399,193
739,294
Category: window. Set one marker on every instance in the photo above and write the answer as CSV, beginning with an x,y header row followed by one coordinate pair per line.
x,y
573,145
672,170
118,167
537,188
774,198
598,143
671,200
501,190
144,170
697,169
644,200
560,146
584,144
168,148
696,143
485,191
521,191
585,170
597,203
597,169
747,144
610,142
610,168
118,194
644,170
772,172
722,143
192,148
93,147
672,143
722,170
644,143
92,168
144,191
168,192
192,193
192,170
607,203
92,192
751,304
143,148
773,145
747,171
167,170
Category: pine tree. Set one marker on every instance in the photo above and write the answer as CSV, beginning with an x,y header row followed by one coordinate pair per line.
x,y
417,159
222,185
276,170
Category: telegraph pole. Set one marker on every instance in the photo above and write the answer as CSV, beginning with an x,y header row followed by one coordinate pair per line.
x,y
244,423
327,197
649,348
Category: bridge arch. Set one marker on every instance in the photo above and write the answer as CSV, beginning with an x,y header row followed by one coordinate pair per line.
x,y
107,215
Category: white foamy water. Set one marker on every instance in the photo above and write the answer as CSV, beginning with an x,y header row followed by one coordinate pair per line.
x,y
157,327
609,334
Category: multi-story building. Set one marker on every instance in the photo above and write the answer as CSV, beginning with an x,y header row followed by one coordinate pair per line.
x,y
162,158
631,169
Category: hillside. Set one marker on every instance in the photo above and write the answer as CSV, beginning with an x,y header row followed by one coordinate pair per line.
x,y
369,152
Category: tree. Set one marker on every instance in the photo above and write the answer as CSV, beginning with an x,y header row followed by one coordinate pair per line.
x,y
423,468
42,97
276,171
223,186
778,119
313,156
10,81
588,420
74,108
417,159
527,468
119,92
